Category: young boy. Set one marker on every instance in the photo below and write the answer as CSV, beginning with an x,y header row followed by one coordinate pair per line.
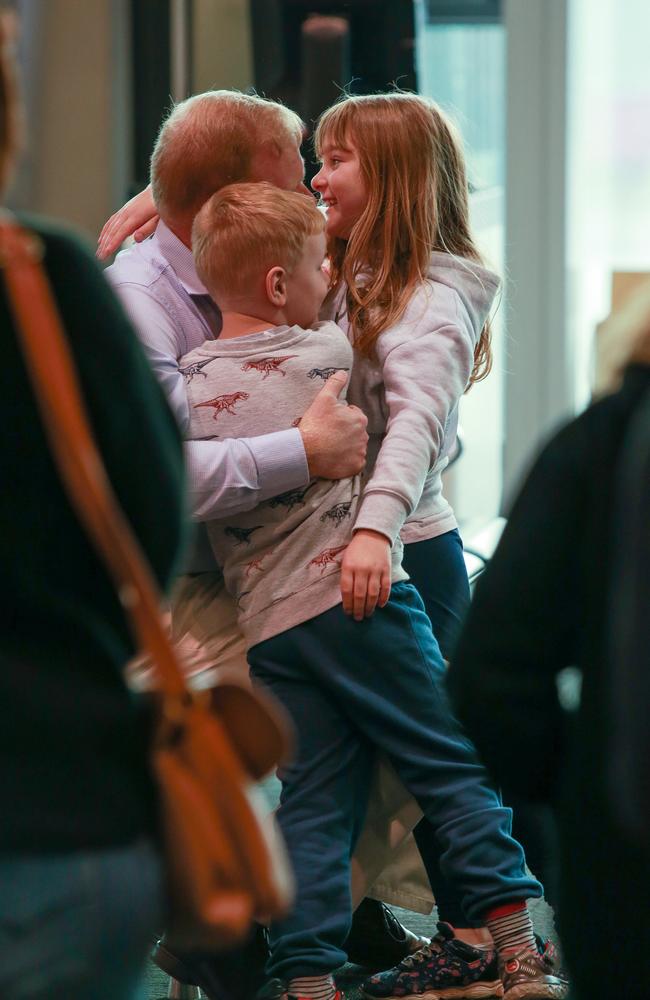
x,y
352,686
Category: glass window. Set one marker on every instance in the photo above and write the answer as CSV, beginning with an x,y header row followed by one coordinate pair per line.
x,y
460,50
608,180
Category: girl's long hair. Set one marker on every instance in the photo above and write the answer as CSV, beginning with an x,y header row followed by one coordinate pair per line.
x,y
413,167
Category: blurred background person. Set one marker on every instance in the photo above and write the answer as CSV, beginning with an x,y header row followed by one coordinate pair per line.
x,y
545,604
79,871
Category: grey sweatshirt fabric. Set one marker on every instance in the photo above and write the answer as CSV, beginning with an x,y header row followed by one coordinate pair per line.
x,y
410,392
281,561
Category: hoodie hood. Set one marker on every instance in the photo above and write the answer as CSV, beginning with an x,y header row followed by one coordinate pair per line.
x,y
476,287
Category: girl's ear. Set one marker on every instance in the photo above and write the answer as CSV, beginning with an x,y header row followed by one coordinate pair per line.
x,y
276,287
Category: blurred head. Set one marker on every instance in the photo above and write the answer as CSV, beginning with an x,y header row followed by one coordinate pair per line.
x,y
219,138
9,103
623,339
259,248
394,181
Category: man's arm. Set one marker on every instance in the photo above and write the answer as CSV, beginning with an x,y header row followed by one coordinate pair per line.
x,y
232,476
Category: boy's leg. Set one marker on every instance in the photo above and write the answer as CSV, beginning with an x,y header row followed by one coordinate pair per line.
x,y
322,807
388,675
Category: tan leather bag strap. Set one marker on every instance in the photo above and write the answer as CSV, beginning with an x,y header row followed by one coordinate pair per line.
x,y
56,388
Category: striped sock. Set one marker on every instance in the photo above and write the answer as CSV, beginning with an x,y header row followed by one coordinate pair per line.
x,y
511,929
313,987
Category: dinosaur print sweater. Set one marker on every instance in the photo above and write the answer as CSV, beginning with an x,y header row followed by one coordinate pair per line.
x,y
281,561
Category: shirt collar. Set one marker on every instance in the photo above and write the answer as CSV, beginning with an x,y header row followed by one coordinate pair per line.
x,y
180,258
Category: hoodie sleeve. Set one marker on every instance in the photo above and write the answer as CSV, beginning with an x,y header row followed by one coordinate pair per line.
x,y
426,359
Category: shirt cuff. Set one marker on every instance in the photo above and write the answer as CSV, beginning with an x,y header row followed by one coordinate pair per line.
x,y
281,461
382,512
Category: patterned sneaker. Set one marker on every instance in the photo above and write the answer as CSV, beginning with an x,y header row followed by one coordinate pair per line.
x,y
445,969
533,977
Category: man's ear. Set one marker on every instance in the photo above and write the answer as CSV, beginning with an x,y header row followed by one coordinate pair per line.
x,y
276,287
265,159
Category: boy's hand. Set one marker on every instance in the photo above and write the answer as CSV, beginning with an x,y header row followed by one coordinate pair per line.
x,y
333,433
365,574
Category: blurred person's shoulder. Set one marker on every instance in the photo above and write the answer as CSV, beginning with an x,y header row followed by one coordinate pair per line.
x,y
67,255
56,236
86,303
595,434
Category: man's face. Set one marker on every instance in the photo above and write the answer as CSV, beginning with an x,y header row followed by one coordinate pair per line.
x,y
307,284
283,167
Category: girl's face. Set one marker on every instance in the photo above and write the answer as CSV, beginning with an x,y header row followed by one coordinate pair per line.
x,y
342,188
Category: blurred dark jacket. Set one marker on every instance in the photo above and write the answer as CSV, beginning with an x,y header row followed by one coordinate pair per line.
x,y
629,633
73,741
543,604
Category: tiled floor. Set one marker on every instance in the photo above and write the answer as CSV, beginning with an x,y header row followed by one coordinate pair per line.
x,y
351,976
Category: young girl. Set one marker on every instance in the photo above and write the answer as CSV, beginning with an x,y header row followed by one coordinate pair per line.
x,y
410,289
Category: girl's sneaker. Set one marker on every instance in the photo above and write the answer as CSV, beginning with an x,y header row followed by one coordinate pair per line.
x,y
445,969
526,976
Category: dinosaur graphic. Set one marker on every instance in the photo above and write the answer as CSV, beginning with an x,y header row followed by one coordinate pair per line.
x,y
267,365
290,499
338,512
327,556
242,536
257,562
223,404
196,368
324,373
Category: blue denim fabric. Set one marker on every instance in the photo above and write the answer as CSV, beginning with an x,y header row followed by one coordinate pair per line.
x,y
78,926
437,569
352,687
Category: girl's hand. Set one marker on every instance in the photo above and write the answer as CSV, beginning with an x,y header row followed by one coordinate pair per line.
x,y
137,218
365,574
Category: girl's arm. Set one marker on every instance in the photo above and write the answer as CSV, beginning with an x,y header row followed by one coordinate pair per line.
x,y
426,362
138,218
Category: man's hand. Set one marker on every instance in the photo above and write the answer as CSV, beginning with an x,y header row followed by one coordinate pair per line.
x,y
333,433
365,574
137,218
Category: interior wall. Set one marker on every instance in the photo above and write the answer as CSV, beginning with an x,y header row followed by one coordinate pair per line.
x,y
222,54
75,69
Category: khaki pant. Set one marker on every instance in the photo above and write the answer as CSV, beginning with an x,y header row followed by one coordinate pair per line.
x,y
386,864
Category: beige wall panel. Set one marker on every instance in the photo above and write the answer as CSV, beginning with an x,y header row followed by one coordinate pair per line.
x,y
73,130
222,47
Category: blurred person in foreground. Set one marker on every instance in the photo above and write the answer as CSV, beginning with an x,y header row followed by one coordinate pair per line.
x,y
544,604
80,878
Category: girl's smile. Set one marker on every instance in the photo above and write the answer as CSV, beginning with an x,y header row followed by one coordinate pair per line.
x,y
342,188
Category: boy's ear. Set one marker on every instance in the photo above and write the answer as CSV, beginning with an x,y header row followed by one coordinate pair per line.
x,y
276,286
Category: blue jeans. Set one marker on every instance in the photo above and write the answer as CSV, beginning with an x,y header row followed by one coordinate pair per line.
x,y
352,688
78,926
437,569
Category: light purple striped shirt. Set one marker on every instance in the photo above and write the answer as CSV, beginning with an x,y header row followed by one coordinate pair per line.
x,y
163,297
